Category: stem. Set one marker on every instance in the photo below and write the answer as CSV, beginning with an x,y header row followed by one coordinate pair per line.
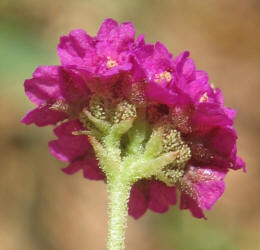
x,y
119,192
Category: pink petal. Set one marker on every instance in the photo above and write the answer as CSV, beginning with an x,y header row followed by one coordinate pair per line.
x,y
43,116
189,69
222,141
208,116
107,26
188,203
202,76
161,196
90,169
73,87
137,205
205,187
162,95
69,147
239,163
76,49
44,86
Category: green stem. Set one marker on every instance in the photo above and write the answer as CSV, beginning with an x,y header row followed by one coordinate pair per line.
x,y
119,192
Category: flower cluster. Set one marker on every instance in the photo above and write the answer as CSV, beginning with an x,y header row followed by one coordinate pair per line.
x,y
157,107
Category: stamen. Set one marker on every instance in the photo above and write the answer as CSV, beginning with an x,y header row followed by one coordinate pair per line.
x,y
111,63
204,97
166,75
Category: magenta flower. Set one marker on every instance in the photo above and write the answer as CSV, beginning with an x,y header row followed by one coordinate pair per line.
x,y
105,55
131,113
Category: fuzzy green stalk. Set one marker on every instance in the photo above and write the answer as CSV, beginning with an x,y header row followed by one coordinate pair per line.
x,y
119,192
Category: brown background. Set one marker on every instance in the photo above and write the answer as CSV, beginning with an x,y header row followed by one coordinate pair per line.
x,y
43,209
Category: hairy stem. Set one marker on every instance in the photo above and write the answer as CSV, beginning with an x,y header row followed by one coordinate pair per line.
x,y
119,192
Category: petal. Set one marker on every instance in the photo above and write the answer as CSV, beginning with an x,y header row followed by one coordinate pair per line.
x,y
204,185
90,169
189,69
160,94
239,163
107,26
196,89
179,62
222,141
126,35
43,116
76,49
44,86
202,76
73,87
231,113
162,59
137,205
161,196
69,147
208,116
188,203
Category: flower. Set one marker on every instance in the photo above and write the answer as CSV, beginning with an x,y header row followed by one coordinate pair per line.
x,y
105,55
123,105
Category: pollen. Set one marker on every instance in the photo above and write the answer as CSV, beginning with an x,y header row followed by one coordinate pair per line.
x,y
172,176
111,63
59,105
166,75
172,142
98,107
204,97
124,111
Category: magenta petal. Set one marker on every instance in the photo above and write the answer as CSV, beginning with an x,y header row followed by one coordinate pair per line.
x,y
188,70
137,205
239,164
188,203
210,192
231,113
222,141
75,48
205,185
90,169
208,116
43,116
196,89
44,86
126,35
69,147
161,196
107,26
179,62
161,95
73,87
202,76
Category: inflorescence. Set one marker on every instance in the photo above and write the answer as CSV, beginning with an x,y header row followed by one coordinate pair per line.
x,y
125,107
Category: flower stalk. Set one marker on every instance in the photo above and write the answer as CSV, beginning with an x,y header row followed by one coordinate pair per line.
x,y
119,193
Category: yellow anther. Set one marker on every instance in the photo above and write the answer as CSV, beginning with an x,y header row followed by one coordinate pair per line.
x,y
204,97
166,75
111,63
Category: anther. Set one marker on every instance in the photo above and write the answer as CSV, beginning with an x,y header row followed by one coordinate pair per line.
x,y
163,76
111,63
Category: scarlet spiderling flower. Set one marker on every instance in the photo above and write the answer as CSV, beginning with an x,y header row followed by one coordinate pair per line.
x,y
131,113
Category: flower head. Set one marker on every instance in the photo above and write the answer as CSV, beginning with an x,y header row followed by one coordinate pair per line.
x,y
124,106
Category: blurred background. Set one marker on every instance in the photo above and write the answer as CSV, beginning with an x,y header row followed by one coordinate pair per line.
x,y
43,209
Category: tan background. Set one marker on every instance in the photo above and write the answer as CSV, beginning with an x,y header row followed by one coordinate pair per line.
x,y
43,209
